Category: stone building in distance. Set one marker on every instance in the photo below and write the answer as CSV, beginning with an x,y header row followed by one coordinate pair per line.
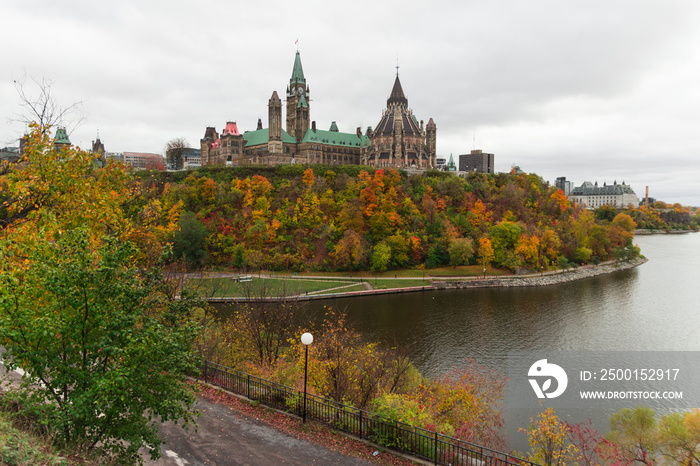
x,y
399,141
592,196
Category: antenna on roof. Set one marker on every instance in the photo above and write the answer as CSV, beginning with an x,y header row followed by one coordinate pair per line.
x,y
397,66
474,141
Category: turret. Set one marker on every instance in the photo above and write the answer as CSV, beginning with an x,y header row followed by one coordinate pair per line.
x,y
274,112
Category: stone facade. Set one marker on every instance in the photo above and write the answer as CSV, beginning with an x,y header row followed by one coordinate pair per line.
x,y
399,141
592,196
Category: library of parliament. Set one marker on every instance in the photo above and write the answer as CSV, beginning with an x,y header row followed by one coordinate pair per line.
x,y
399,140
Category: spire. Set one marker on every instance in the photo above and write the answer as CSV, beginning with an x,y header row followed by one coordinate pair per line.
x,y
297,72
397,96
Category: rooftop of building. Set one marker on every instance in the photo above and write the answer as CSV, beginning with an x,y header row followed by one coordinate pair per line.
x,y
592,189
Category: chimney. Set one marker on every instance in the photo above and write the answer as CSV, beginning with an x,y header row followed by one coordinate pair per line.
x,y
313,126
646,198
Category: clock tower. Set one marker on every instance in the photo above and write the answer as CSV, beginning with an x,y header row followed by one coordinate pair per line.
x,y
297,102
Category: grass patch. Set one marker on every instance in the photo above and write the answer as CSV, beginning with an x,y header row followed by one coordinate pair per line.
x,y
22,448
460,271
383,284
228,287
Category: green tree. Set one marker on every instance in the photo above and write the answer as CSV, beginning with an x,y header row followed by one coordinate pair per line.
x,y
189,239
381,257
504,238
634,435
104,349
680,437
461,251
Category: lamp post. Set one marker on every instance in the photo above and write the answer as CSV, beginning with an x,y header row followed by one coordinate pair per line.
x,y
306,339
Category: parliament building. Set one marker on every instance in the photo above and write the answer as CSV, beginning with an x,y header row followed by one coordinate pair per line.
x,y
399,140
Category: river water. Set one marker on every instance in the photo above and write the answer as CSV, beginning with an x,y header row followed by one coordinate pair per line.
x,y
652,308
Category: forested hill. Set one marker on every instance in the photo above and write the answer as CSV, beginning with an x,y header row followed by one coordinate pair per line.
x,y
357,218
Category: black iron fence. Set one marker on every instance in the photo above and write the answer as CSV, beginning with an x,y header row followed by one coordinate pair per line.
x,y
425,444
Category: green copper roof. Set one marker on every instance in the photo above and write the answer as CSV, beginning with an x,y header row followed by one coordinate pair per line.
x,y
451,165
297,72
334,127
61,136
302,102
333,138
261,136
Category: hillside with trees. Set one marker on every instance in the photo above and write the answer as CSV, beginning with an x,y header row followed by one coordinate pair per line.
x,y
350,218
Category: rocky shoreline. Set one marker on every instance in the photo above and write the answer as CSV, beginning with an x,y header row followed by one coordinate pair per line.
x,y
544,279
548,278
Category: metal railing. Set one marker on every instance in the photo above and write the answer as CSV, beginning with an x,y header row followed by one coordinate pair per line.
x,y
422,443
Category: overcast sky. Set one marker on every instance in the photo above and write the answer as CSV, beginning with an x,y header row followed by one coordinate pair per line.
x,y
591,90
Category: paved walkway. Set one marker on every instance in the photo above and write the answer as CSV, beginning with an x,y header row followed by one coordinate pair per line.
x,y
224,436
227,437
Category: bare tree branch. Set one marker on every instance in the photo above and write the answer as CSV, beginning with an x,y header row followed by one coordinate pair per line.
x,y
43,108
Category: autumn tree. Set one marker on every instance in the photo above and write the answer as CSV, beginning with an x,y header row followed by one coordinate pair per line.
x,y
547,436
347,369
485,252
465,403
50,190
587,442
260,328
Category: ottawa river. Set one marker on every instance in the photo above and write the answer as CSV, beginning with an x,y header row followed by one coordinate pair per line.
x,y
654,307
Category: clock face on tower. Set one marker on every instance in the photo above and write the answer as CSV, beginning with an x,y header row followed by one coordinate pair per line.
x,y
301,91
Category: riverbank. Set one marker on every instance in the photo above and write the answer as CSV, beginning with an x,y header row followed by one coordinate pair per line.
x,y
540,279
545,279
661,232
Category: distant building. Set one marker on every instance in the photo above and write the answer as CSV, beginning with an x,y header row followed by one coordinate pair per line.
x,y
9,154
116,156
142,160
191,158
61,140
399,140
98,149
440,163
565,186
592,196
476,161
